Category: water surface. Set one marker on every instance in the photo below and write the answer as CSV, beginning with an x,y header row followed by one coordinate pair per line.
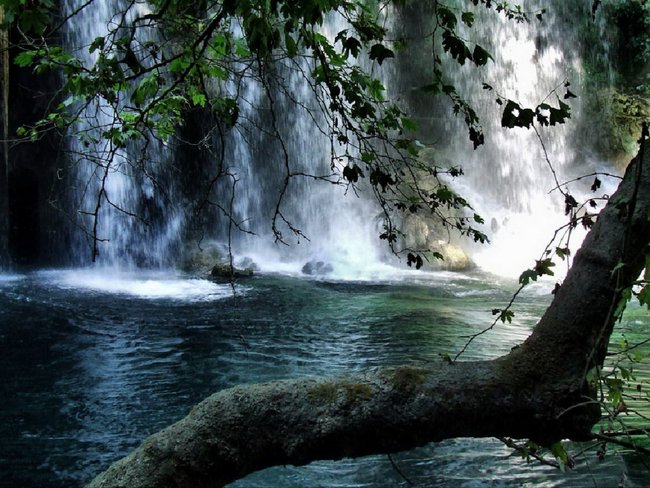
x,y
93,362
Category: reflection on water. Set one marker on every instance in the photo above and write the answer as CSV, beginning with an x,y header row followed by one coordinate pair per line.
x,y
91,365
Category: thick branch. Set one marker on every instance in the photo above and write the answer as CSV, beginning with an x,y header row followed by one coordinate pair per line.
x,y
576,326
244,429
537,391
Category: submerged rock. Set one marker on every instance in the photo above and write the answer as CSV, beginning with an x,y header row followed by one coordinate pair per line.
x,y
314,268
223,269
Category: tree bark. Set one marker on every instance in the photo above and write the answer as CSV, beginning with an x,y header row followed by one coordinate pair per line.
x,y
537,391
4,148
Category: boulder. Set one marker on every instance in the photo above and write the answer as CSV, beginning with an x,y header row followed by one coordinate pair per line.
x,y
456,259
316,268
200,258
224,270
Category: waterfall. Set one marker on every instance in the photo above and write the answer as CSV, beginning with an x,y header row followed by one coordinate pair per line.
x,y
508,180
514,185
116,194
283,131
142,213
145,215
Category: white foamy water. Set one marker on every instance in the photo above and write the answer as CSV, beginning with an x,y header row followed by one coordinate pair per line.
x,y
142,284
10,278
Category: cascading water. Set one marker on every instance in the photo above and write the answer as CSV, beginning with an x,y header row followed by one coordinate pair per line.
x,y
507,180
510,180
284,133
118,190
124,219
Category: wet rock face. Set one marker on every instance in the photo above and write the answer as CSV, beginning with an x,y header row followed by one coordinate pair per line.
x,y
211,259
317,268
201,258
223,270
33,232
456,259
423,234
23,216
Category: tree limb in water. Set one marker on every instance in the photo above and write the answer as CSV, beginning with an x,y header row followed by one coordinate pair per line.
x,y
538,391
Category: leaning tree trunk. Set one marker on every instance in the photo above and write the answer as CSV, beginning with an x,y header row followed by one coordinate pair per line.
x,y
537,391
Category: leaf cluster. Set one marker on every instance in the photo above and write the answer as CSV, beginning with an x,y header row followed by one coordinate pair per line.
x,y
544,114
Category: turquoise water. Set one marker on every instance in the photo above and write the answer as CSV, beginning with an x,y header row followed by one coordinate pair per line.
x,y
93,361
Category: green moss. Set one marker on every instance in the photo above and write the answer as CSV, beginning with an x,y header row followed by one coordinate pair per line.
x,y
408,378
323,392
329,392
630,112
355,392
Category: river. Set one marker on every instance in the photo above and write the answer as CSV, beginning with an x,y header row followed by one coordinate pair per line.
x,y
94,361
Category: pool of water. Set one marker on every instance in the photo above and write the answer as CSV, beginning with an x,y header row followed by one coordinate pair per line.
x,y
93,361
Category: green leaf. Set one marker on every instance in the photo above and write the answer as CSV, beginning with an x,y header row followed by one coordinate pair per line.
x,y
26,58
416,259
446,18
352,173
147,88
476,136
379,53
480,56
452,44
446,357
527,276
506,316
543,267
596,184
409,124
98,43
561,456
379,178
199,100
509,117
516,116
351,46
626,373
219,45
376,89
34,20
559,115
467,18
626,294
433,88
563,252
614,389
290,44
444,194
